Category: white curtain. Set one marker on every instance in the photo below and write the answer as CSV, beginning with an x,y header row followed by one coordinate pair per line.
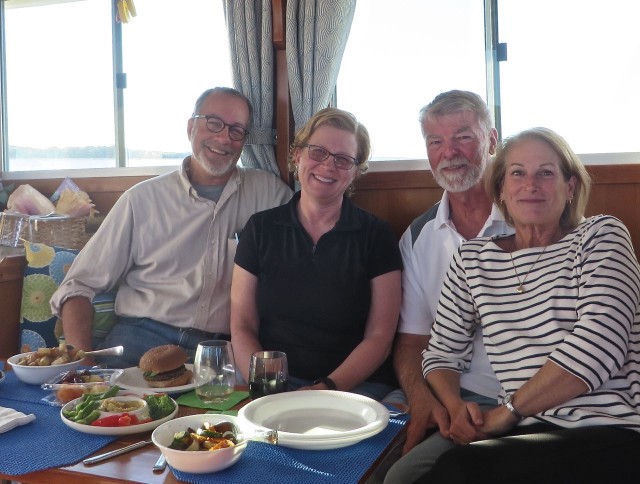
x,y
316,35
251,43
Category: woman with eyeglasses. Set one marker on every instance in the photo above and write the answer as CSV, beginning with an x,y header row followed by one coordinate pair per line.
x,y
319,278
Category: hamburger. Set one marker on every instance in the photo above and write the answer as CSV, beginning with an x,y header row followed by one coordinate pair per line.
x,y
163,366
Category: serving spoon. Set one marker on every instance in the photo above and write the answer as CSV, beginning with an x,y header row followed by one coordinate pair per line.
x,y
115,351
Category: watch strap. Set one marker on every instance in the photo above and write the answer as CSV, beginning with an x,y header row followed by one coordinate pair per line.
x,y
329,383
508,404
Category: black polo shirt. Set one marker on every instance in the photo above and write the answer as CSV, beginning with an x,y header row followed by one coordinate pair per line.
x,y
313,301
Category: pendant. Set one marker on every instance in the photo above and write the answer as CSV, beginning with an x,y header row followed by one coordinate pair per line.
x,y
520,289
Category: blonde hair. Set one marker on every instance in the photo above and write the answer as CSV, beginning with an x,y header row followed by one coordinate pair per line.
x,y
338,119
570,165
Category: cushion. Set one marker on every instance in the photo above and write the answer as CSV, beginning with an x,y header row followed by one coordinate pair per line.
x,y
45,270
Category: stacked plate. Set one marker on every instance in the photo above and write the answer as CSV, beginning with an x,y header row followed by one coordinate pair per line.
x,y
317,419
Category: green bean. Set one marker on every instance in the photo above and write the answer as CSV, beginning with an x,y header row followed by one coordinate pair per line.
x,y
94,415
92,406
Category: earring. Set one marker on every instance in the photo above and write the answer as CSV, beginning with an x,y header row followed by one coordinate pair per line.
x,y
569,201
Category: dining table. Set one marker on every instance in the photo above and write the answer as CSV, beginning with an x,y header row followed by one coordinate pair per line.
x,y
261,462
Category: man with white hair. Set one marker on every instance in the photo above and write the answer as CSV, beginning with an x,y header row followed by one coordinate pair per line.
x,y
460,140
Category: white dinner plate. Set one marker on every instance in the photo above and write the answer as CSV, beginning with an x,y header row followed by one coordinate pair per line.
x,y
132,379
317,419
129,429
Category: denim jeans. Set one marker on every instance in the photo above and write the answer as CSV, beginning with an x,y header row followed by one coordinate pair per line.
x,y
138,335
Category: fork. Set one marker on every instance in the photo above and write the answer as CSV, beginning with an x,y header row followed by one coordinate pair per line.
x,y
160,464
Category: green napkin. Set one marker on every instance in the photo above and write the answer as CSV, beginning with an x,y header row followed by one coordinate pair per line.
x,y
191,400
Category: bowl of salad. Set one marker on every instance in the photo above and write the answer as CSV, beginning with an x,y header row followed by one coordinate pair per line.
x,y
201,443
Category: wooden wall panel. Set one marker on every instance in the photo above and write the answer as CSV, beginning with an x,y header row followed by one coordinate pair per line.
x,y
399,197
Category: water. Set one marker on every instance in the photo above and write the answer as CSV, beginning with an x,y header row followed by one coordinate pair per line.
x,y
214,392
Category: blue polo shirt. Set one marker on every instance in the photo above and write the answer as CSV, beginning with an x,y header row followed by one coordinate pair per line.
x,y
313,301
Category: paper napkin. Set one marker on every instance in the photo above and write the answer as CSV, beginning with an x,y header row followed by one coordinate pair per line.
x,y
9,418
191,400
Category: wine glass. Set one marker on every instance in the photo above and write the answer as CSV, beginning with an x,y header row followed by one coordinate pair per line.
x,y
214,371
268,373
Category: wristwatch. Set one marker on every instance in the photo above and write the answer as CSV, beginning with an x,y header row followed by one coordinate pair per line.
x,y
508,403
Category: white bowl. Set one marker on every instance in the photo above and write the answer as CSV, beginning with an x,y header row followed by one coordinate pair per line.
x,y
197,462
37,375
142,413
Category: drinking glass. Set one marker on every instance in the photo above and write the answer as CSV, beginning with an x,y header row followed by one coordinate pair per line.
x,y
268,373
214,371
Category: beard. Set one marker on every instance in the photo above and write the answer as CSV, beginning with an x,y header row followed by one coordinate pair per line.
x,y
461,180
216,169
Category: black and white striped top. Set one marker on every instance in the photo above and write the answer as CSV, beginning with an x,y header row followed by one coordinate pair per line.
x,y
580,310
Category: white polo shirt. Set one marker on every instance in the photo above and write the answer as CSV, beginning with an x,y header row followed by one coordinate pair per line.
x,y
427,248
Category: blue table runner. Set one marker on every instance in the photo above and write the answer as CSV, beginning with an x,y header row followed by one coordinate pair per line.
x,y
44,443
267,464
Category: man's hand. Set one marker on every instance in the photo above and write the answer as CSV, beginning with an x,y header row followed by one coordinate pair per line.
x,y
425,415
426,411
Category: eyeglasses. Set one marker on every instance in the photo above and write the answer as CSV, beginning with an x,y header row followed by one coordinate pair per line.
x,y
319,154
215,125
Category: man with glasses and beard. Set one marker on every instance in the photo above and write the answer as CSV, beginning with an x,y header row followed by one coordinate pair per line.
x,y
168,243
460,139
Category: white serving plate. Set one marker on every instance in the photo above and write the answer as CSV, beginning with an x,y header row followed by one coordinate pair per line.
x,y
129,429
132,379
317,419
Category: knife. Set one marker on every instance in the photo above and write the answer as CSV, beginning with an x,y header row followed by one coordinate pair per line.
x,y
114,453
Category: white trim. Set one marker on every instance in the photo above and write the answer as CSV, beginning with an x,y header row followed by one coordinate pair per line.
x,y
88,173
379,166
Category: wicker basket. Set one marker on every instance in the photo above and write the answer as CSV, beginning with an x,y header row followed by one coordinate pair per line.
x,y
68,232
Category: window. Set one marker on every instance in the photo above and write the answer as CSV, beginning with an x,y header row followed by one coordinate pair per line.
x,y
172,51
398,57
60,87
572,66
58,80
576,71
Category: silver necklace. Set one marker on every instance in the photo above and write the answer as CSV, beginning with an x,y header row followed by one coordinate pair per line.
x,y
520,289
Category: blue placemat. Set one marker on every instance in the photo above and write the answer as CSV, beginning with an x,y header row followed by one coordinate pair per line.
x,y
14,389
266,463
44,443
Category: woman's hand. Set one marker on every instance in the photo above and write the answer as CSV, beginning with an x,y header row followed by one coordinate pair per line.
x,y
466,421
497,421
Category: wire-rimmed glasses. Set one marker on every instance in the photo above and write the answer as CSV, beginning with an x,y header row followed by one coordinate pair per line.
x,y
215,125
319,154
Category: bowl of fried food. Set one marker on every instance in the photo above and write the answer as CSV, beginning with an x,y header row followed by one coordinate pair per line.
x,y
201,443
38,367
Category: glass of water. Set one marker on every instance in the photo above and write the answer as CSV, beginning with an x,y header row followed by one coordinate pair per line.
x,y
214,371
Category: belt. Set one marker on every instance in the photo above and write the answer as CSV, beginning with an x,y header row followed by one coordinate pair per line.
x,y
205,334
